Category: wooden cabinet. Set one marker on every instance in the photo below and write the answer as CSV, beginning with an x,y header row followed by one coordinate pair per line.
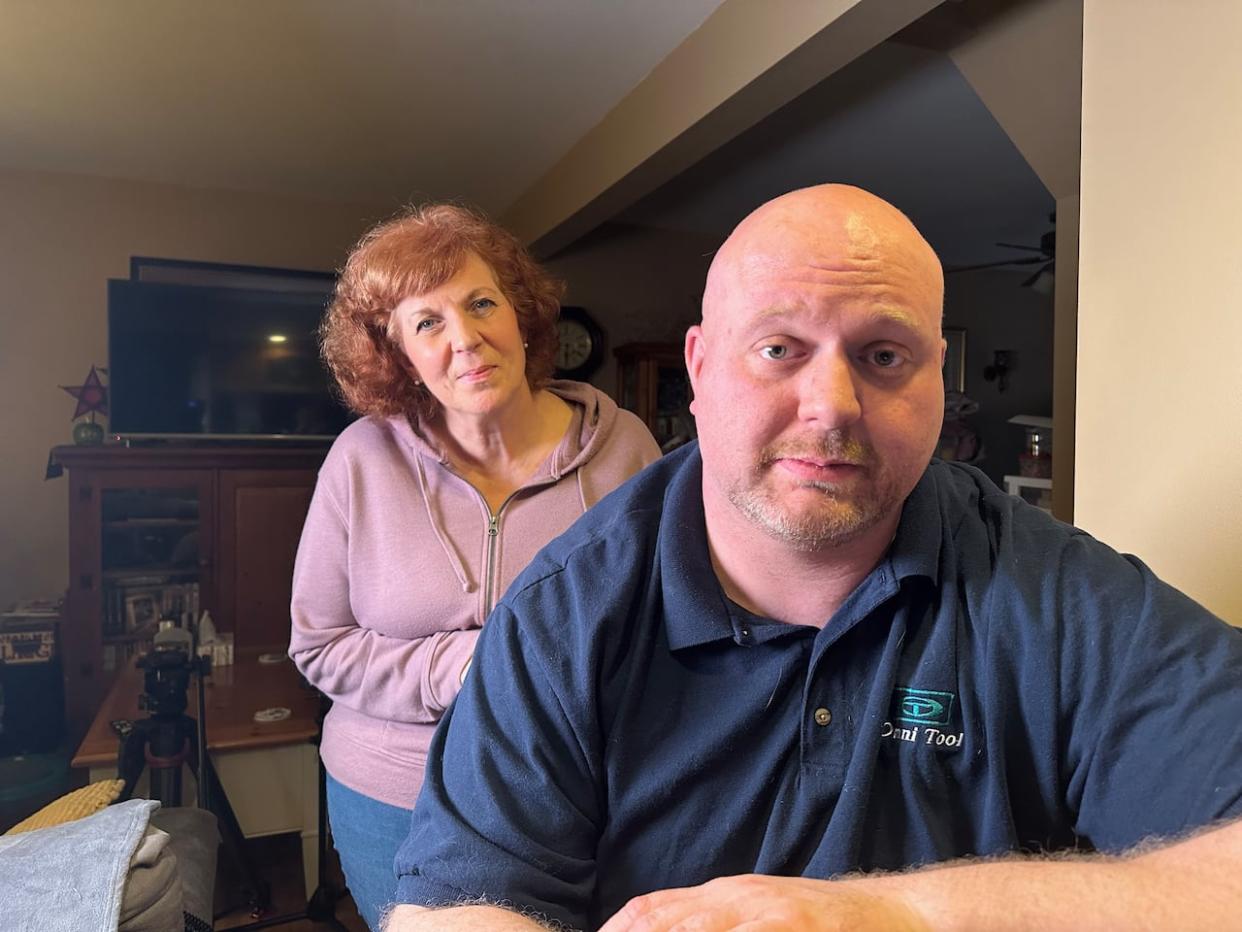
x,y
259,520
171,530
652,382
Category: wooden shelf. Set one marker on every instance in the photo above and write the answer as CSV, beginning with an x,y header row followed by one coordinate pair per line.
x,y
133,572
151,522
201,455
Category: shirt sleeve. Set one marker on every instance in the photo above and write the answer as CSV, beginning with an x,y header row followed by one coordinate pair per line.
x,y
1152,696
511,805
397,679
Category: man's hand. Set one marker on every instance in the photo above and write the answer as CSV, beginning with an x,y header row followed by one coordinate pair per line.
x,y
767,903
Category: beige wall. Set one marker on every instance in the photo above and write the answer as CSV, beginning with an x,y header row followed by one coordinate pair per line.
x,y
61,238
1159,434
1025,66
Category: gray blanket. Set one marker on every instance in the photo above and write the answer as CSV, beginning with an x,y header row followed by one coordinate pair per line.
x,y
72,877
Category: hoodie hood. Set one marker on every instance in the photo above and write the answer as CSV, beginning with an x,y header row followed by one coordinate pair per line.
x,y
591,422
594,416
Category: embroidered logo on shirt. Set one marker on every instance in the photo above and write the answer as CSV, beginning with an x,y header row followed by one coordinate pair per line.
x,y
922,706
920,716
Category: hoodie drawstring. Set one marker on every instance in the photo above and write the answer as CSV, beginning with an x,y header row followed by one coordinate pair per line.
x,y
581,491
459,568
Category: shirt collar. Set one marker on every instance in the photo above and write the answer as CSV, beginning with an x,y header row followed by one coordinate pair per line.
x,y
695,608
695,611
916,546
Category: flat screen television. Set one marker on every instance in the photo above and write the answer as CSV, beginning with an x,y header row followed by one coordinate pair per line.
x,y
205,361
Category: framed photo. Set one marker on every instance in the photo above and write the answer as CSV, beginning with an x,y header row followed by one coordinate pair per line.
x,y
955,360
142,610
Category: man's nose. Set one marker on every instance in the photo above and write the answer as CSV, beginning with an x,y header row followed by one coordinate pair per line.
x,y
829,392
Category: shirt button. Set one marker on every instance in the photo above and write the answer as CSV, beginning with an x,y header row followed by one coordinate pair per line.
x,y
746,632
822,716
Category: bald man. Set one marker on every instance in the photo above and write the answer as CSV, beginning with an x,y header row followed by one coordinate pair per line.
x,y
800,650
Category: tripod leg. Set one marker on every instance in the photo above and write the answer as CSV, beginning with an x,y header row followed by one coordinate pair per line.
x,y
166,783
258,895
130,759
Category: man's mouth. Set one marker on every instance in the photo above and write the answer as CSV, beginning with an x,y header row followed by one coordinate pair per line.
x,y
817,469
829,459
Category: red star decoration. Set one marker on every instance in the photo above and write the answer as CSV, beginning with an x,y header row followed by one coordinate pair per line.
x,y
92,395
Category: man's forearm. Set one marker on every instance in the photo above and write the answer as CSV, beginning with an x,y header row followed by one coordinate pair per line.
x,y
463,918
1191,884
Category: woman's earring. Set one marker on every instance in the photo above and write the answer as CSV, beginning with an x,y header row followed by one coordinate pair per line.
x,y
525,345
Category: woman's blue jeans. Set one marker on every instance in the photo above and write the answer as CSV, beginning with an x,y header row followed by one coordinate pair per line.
x,y
367,834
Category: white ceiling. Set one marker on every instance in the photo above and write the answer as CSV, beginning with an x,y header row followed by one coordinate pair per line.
x,y
379,102
369,101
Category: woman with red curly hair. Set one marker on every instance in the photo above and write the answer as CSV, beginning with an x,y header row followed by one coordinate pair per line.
x,y
467,460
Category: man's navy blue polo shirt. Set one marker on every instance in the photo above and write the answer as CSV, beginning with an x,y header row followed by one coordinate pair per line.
x,y
1000,682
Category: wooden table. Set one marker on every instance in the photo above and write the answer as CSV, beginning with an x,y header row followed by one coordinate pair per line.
x,y
270,770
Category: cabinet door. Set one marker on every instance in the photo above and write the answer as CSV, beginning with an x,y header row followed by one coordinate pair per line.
x,y
260,521
652,382
140,549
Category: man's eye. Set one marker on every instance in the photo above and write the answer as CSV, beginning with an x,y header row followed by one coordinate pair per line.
x,y
774,351
886,358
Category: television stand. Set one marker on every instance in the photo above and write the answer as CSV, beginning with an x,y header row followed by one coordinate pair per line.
x,y
176,527
221,440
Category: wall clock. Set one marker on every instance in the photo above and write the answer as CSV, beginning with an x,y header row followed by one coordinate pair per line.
x,y
581,344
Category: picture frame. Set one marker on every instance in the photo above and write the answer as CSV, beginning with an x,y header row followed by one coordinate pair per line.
x,y
142,610
955,359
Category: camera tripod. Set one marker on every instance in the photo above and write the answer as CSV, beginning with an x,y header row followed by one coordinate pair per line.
x,y
167,740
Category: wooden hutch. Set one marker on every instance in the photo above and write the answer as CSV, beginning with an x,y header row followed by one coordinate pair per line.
x,y
172,529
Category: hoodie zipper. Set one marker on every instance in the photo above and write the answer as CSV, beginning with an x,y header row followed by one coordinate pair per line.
x,y
493,534
493,531
493,520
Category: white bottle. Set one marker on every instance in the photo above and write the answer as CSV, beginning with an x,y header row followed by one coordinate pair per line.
x,y
206,634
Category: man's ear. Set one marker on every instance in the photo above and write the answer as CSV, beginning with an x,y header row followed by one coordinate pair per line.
x,y
695,348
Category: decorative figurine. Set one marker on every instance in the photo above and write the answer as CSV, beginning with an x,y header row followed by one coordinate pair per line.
x,y
92,396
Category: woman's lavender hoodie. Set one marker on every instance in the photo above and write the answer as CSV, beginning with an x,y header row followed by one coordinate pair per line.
x,y
396,572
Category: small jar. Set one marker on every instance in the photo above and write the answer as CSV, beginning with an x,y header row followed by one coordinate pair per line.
x,y
1035,462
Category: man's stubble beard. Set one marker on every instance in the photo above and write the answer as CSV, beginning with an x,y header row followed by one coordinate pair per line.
x,y
844,513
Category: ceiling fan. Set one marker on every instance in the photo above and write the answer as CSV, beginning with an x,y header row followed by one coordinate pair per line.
x,y
1045,258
